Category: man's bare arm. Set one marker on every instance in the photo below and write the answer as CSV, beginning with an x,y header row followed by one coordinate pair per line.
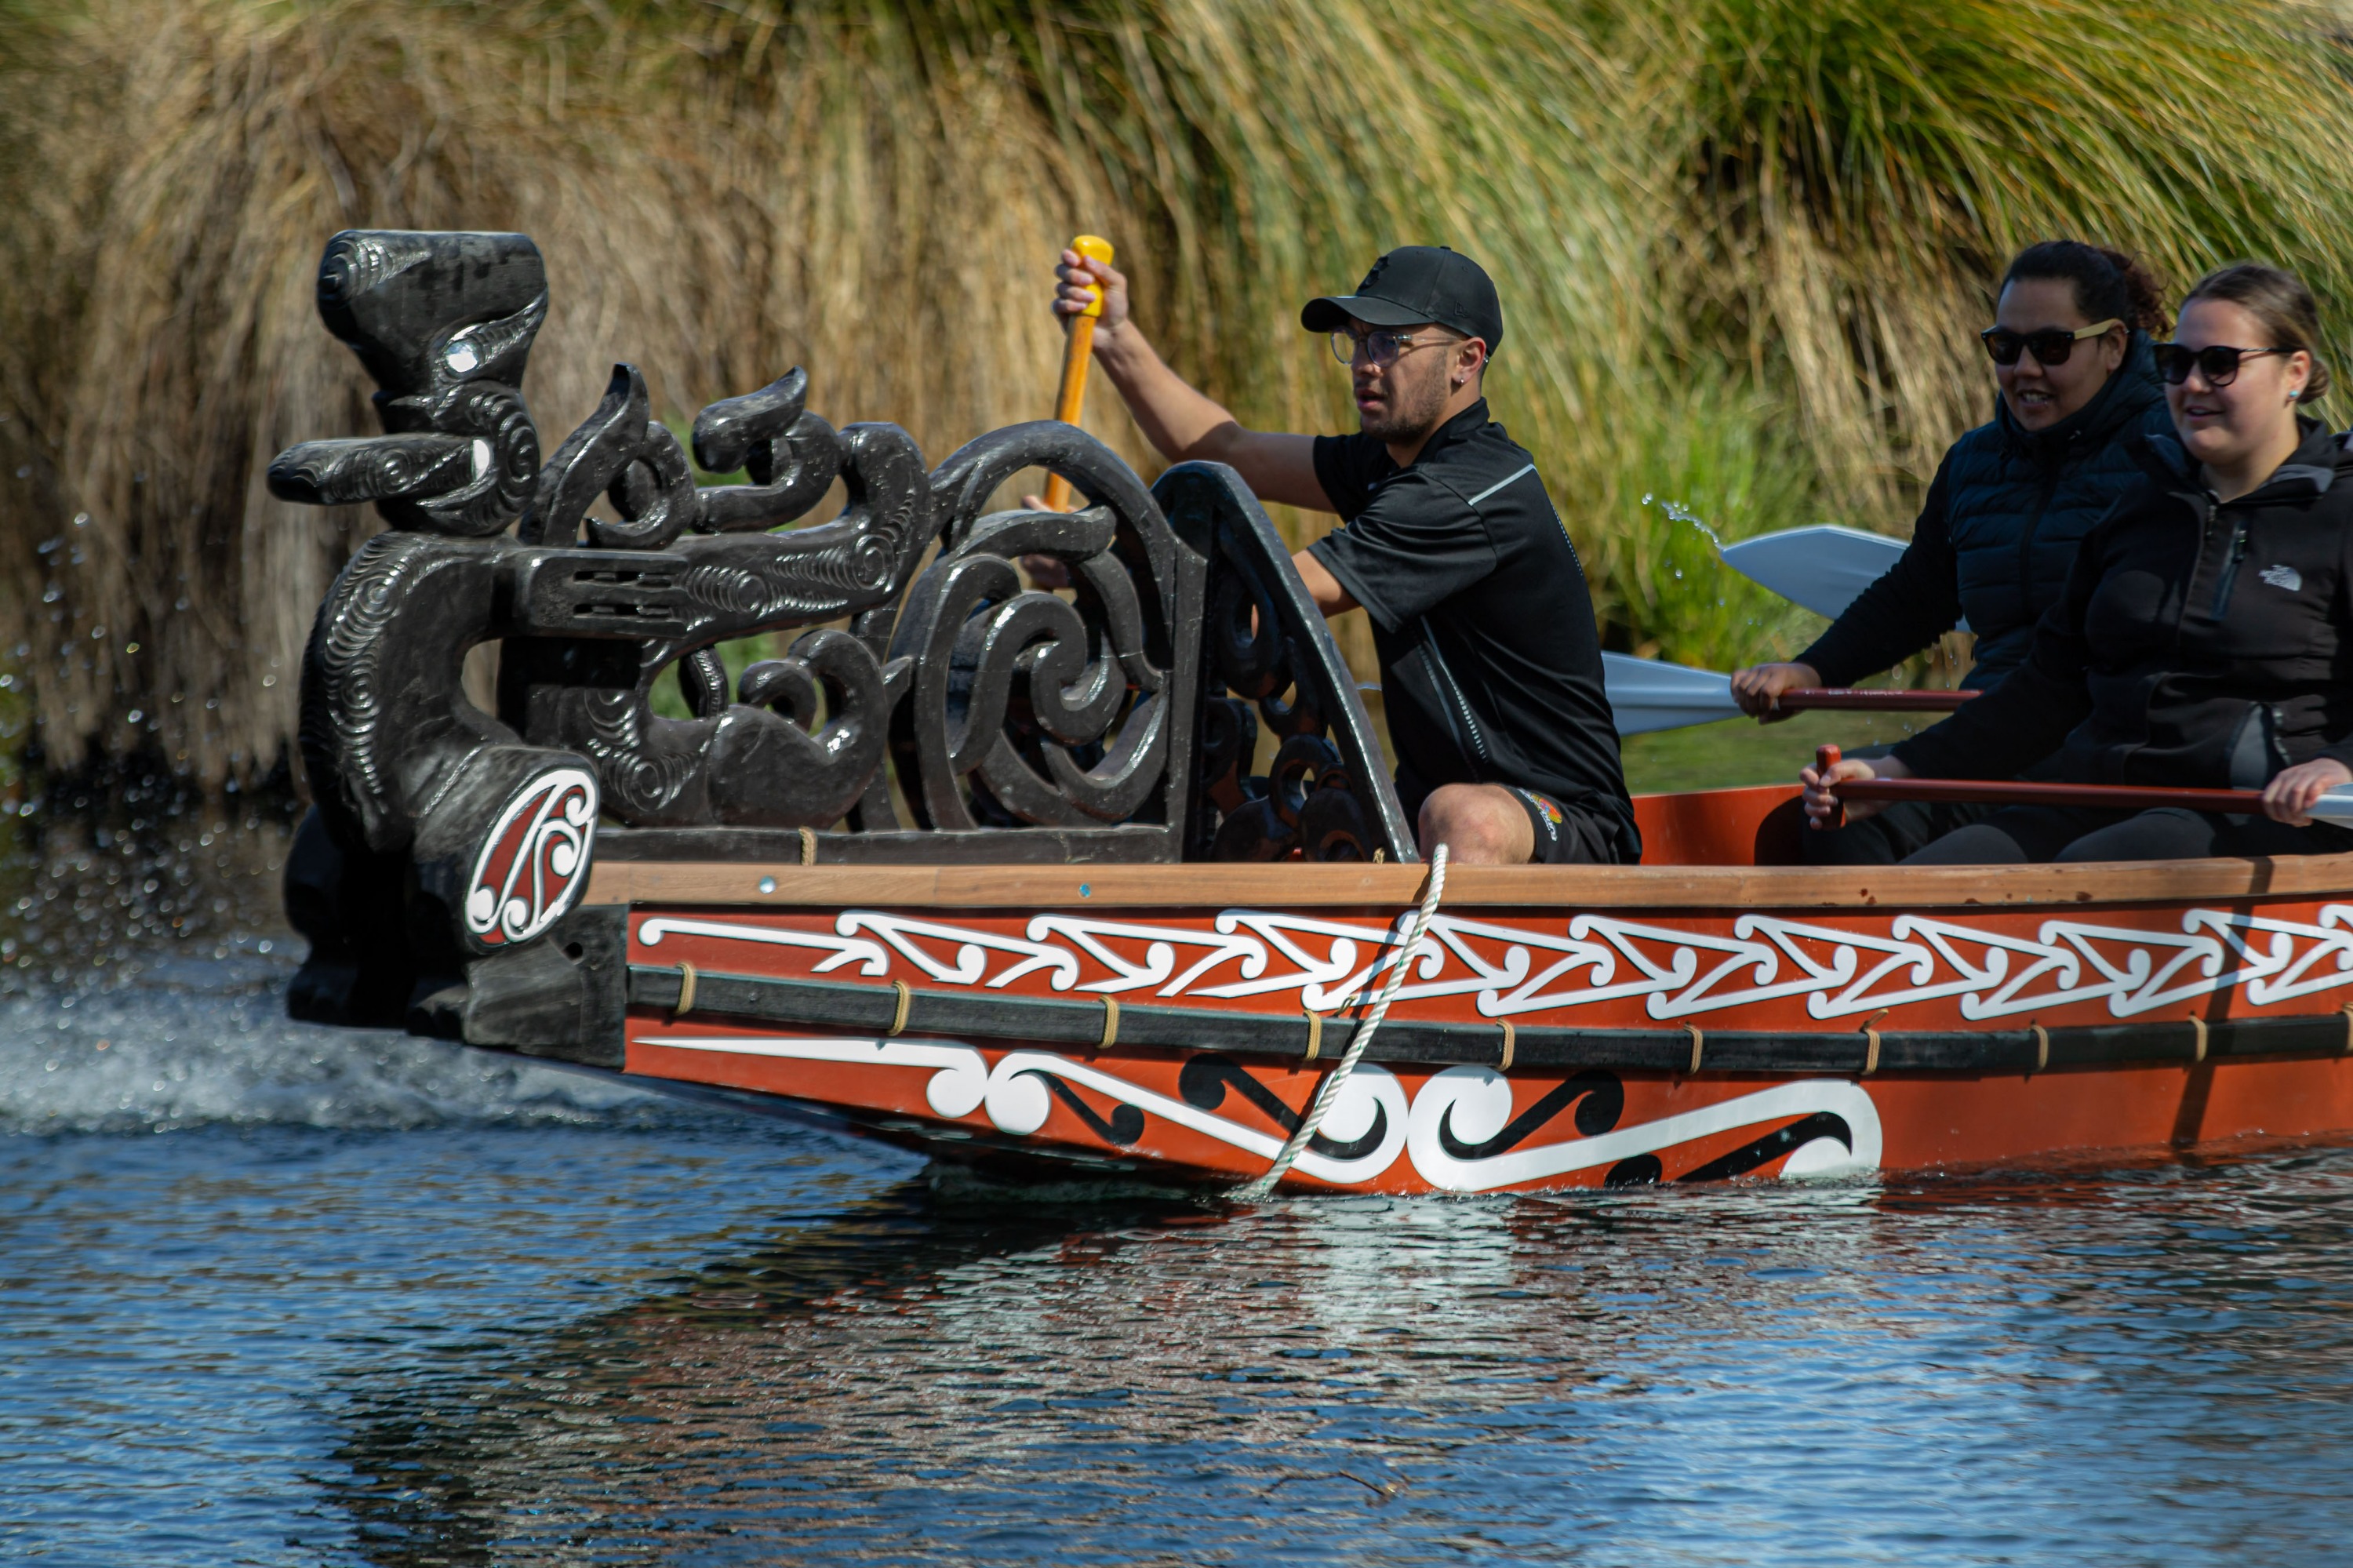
x,y
1181,423
1322,585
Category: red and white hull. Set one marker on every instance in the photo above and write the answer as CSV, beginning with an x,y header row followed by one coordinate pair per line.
x,y
1539,1042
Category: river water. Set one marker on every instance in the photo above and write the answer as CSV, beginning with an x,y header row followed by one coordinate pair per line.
x,y
277,1295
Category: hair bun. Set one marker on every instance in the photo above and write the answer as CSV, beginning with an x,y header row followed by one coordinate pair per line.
x,y
2144,291
2109,285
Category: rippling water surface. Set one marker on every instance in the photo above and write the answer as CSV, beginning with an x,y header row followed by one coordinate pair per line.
x,y
271,1294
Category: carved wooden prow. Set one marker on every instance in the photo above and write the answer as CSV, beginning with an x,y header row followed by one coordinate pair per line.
x,y
946,713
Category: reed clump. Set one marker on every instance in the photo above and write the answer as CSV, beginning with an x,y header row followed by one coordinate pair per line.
x,y
1743,245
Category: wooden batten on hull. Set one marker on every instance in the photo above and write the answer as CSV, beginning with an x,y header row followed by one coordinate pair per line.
x,y
1105,880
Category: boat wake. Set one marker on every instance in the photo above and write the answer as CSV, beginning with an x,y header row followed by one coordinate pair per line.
x,y
156,1056
142,984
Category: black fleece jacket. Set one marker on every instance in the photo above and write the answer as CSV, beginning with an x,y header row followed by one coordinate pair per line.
x,y
1998,531
2198,642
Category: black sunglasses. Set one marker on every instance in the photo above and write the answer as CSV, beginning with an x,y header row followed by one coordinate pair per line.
x,y
2218,362
2050,345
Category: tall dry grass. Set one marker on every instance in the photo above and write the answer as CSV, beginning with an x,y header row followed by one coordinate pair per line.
x,y
1743,247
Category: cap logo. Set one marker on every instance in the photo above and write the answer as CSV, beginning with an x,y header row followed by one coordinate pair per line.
x,y
1374,276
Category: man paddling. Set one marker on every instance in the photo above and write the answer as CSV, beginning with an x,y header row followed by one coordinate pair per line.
x,y
1491,664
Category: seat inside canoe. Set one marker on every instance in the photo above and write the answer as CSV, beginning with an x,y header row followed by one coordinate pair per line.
x,y
1756,825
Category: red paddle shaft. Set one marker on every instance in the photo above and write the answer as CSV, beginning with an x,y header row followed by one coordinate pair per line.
x,y
1815,699
1992,792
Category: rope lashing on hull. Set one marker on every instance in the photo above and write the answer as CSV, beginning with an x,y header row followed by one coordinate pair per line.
x,y
2199,1024
899,1014
1871,1036
2043,1045
685,991
1255,1191
1511,1039
1111,1024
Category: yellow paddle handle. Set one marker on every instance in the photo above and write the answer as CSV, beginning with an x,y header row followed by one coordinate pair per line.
x,y
1077,349
1093,248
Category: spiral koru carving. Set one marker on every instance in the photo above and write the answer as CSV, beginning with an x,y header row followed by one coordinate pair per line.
x,y
1024,707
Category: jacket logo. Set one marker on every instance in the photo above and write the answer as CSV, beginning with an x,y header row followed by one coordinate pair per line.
x,y
2286,577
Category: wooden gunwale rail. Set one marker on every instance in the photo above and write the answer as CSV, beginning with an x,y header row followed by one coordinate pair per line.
x,y
1295,885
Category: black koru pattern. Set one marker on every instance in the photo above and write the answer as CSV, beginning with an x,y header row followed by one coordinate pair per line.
x,y
942,714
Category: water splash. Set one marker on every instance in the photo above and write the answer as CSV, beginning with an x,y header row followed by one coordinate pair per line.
x,y
158,1057
1680,514
144,962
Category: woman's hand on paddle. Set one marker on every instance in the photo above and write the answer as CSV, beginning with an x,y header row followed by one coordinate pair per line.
x,y
1079,278
1823,807
1755,687
2289,798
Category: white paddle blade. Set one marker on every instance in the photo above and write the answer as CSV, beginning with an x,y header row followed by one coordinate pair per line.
x,y
2337,806
1821,567
1645,695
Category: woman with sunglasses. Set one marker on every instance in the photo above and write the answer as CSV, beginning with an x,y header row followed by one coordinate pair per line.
x,y
2070,345
2205,637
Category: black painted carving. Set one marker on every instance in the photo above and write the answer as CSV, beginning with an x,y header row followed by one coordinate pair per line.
x,y
1124,1127
954,714
1762,1151
444,322
1599,1098
1204,1080
1268,661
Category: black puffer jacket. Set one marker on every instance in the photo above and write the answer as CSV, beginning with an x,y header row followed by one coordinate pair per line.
x,y
1998,530
2198,642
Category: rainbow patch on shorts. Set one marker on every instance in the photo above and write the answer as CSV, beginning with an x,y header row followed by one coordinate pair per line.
x,y
1552,813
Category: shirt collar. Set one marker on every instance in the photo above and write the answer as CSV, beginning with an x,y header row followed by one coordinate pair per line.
x,y
2310,469
1464,425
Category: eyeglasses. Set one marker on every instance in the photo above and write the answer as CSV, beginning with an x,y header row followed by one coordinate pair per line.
x,y
2050,346
1380,347
2218,362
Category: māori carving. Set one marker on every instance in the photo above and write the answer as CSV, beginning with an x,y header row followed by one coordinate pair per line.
x,y
952,714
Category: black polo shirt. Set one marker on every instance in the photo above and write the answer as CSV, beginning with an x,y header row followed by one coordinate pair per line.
x,y
1491,662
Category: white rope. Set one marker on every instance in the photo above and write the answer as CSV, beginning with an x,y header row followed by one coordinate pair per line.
x,y
1256,1191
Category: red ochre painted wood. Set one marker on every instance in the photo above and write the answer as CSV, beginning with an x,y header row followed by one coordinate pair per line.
x,y
1694,949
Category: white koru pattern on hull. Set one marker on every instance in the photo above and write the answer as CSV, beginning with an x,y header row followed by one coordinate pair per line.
x,y
1512,971
1471,1103
1016,1098
1480,1100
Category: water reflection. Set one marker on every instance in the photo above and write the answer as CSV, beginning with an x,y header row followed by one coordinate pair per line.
x,y
2129,1369
278,1294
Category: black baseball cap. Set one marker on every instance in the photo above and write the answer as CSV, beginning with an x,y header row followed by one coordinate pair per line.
x,y
1412,284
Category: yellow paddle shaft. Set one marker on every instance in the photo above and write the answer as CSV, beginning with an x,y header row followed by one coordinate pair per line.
x,y
1077,349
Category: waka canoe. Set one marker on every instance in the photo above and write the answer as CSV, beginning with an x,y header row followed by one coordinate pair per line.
x,y
1101,881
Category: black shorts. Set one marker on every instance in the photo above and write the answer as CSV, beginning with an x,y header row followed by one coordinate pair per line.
x,y
1564,836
